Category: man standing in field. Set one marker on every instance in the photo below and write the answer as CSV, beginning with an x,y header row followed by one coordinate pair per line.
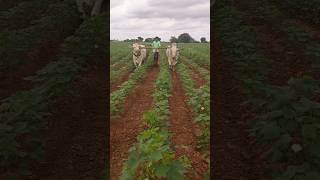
x,y
155,45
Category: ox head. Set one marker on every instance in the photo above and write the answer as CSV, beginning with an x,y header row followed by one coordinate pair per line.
x,y
174,50
136,49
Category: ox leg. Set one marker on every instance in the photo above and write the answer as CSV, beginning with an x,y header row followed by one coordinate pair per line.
x,y
140,63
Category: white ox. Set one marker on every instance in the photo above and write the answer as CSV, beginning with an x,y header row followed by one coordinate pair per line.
x,y
139,54
172,54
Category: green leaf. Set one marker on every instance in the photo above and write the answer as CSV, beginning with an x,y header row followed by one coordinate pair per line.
x,y
309,131
176,171
296,148
161,170
271,131
156,156
134,160
276,155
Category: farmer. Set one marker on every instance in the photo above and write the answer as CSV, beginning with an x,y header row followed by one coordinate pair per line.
x,y
155,45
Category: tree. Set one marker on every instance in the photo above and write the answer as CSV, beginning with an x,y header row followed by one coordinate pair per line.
x,y
185,38
203,40
131,40
148,40
173,39
140,39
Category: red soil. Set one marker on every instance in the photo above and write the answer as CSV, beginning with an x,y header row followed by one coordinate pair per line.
x,y
234,155
125,128
196,76
115,86
184,131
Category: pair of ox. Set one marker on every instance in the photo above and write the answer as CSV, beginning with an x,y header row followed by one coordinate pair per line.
x,y
140,54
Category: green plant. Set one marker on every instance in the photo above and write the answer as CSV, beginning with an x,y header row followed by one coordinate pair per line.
x,y
151,158
20,17
151,118
120,60
306,10
286,116
17,44
198,100
24,114
118,97
7,4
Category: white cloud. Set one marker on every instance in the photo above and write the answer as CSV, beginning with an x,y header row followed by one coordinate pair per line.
x,y
164,18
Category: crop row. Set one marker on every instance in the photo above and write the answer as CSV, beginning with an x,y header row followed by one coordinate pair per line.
x,y
116,75
307,10
117,98
151,157
199,101
7,4
119,50
24,114
203,72
294,35
120,67
200,54
121,61
286,116
59,21
20,16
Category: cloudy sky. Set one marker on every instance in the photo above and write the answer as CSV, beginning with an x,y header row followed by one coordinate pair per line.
x,y
163,18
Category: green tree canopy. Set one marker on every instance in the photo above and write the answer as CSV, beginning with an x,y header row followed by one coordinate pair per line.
x,y
185,38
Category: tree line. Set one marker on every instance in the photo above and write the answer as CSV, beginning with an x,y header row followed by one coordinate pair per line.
x,y
182,38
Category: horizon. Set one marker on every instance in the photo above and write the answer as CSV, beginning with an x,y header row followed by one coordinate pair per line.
x,y
147,19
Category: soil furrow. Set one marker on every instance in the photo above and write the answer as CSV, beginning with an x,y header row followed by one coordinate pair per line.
x,y
185,132
234,155
196,76
115,86
313,31
76,139
13,81
125,128
287,61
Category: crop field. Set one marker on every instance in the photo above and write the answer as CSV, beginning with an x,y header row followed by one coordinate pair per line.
x,y
51,70
160,119
266,95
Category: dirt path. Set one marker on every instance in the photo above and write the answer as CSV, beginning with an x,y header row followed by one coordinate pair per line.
x,y
124,129
76,140
234,155
196,76
184,130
